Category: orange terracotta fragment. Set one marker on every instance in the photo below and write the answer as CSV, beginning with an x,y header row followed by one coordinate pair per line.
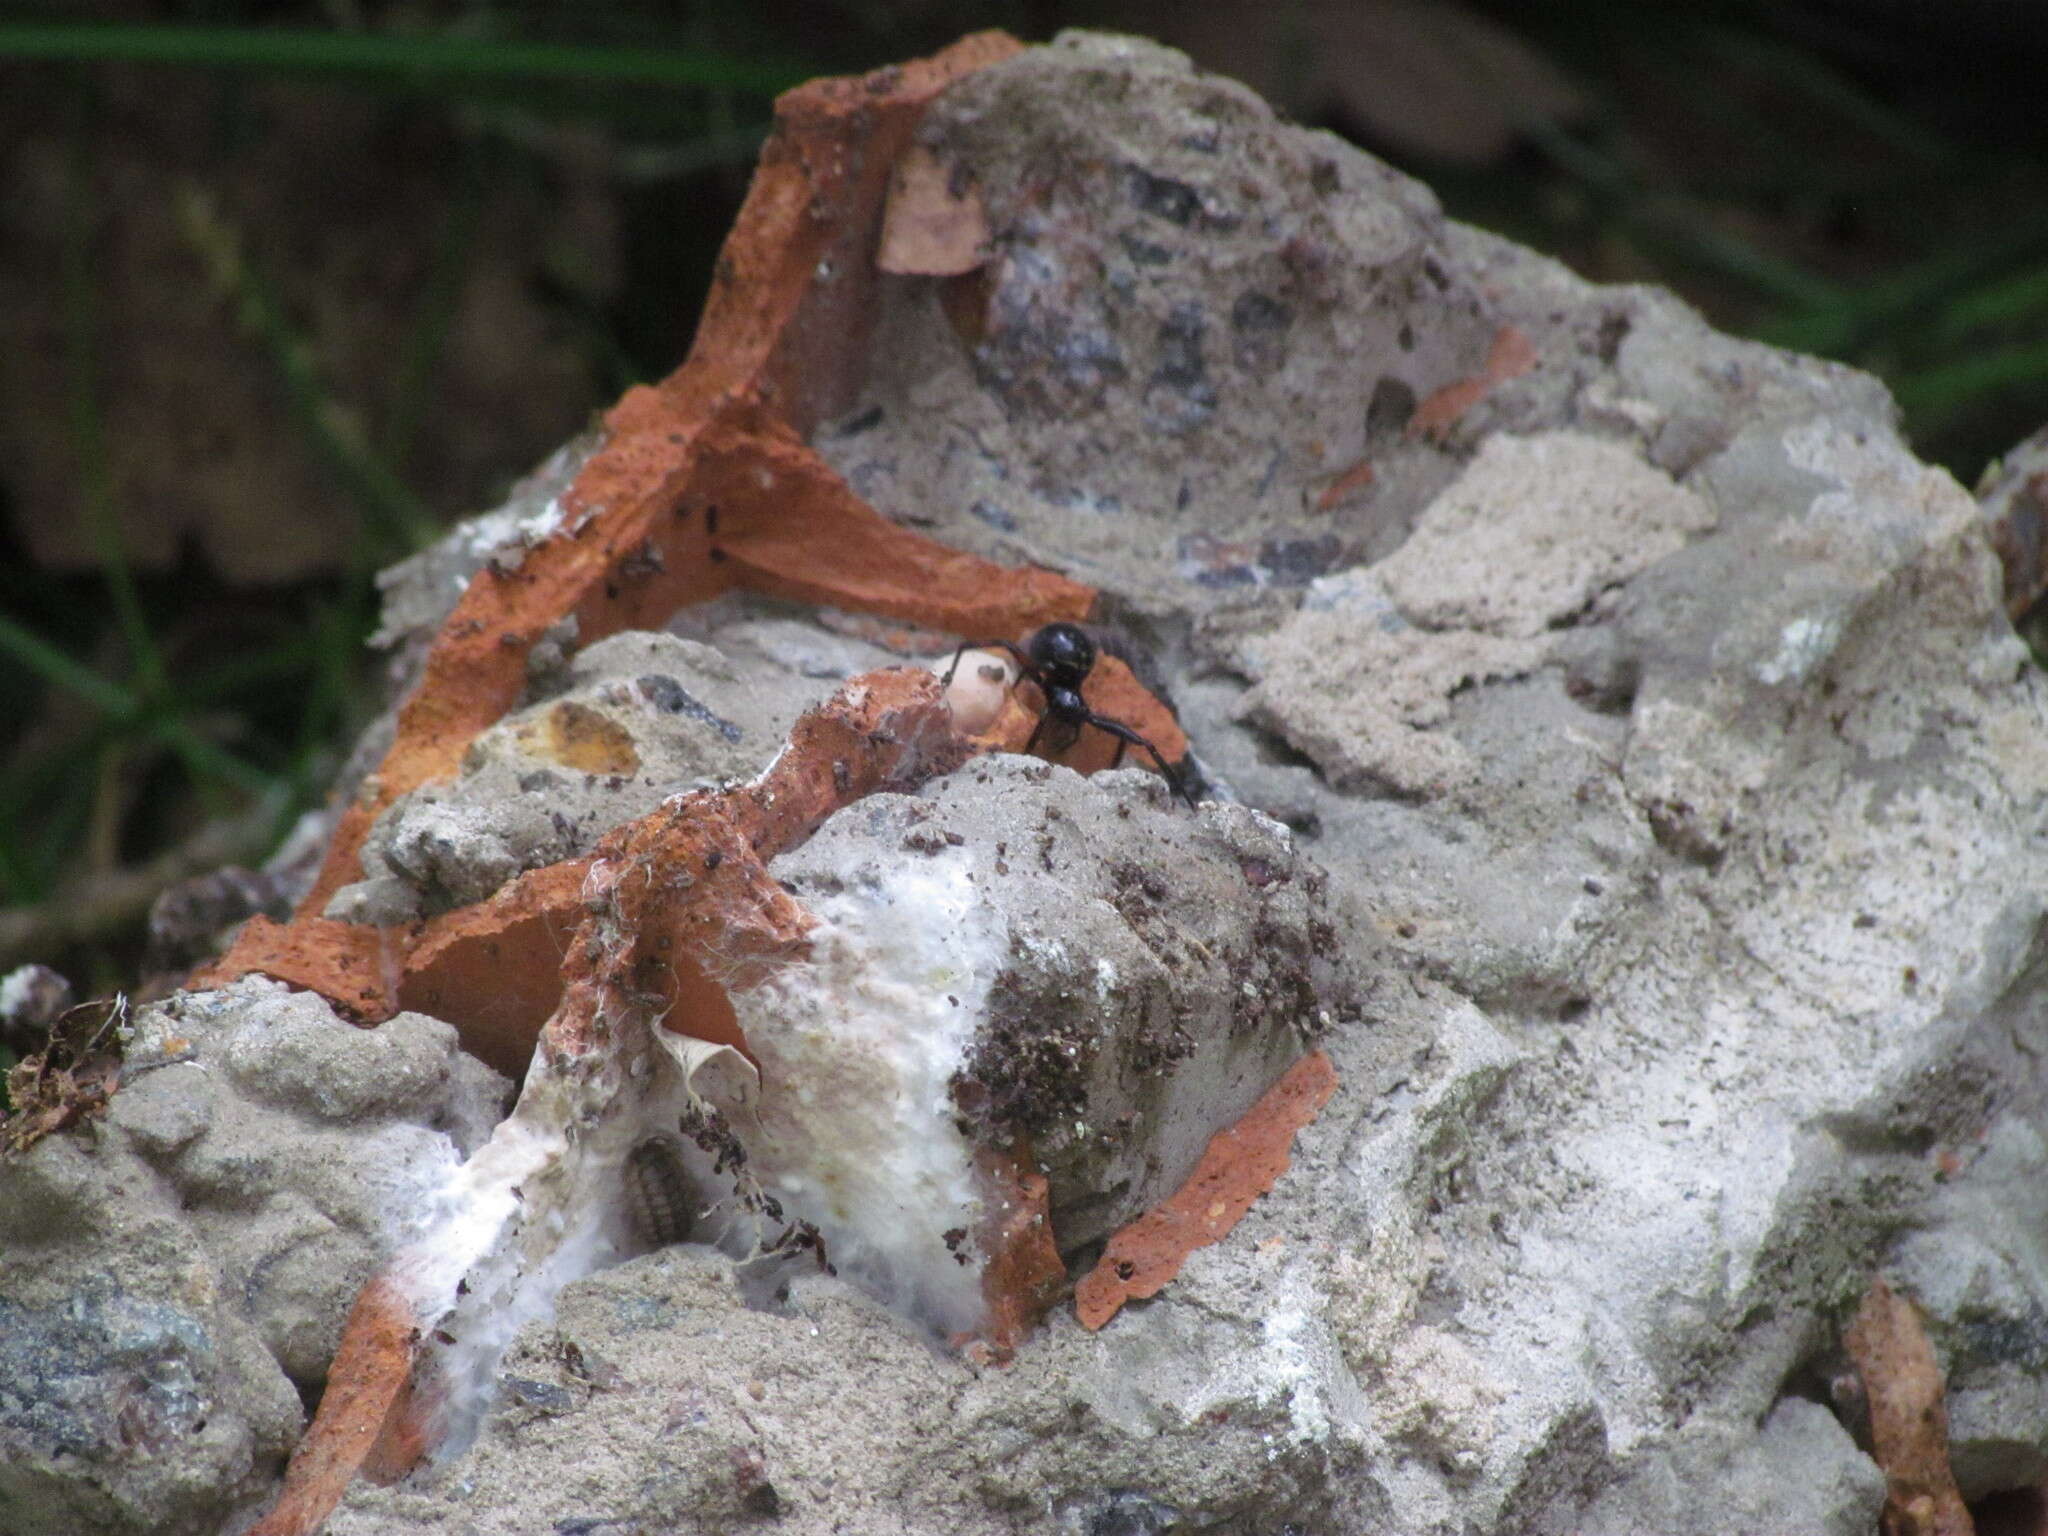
x,y
1023,1274
815,207
687,882
372,1367
494,970
1347,485
1513,354
1902,1382
337,960
789,526
1241,1163
409,1434
702,482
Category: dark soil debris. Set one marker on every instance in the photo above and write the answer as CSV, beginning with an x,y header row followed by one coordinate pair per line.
x,y
70,1079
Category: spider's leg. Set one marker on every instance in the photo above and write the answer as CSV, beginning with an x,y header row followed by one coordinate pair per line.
x,y
1126,737
1024,666
1122,747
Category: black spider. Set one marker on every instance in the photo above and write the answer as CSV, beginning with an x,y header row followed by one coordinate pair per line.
x,y
1058,658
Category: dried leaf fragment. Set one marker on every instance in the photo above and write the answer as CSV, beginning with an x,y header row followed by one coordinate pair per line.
x,y
69,1079
934,224
1908,1416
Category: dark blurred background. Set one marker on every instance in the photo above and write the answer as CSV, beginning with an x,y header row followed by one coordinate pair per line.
x,y
285,287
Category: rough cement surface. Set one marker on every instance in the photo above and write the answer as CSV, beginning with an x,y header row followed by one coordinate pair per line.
x,y
172,1283
1168,374
422,590
616,729
1977,1265
1797,1471
1104,977
680,1409
1682,744
2014,495
1696,846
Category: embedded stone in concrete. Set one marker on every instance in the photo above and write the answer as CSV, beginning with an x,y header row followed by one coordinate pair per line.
x,y
171,1285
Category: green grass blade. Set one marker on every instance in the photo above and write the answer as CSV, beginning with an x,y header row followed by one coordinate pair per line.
x,y
153,711
422,60
447,270
388,507
1945,390
207,762
61,671
202,757
1694,236
2020,299
88,441
1808,74
278,660
1902,299
56,844
1674,223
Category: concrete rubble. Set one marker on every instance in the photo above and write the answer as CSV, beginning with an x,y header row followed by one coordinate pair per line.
x,y
172,1278
612,732
1647,721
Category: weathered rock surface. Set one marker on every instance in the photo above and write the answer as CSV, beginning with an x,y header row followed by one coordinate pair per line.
x,y
681,1409
1018,958
2014,494
1663,718
1657,717
174,1281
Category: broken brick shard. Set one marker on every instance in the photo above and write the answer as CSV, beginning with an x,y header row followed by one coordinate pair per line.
x,y
1903,1384
526,1213
371,1368
721,442
1241,1164
1511,356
